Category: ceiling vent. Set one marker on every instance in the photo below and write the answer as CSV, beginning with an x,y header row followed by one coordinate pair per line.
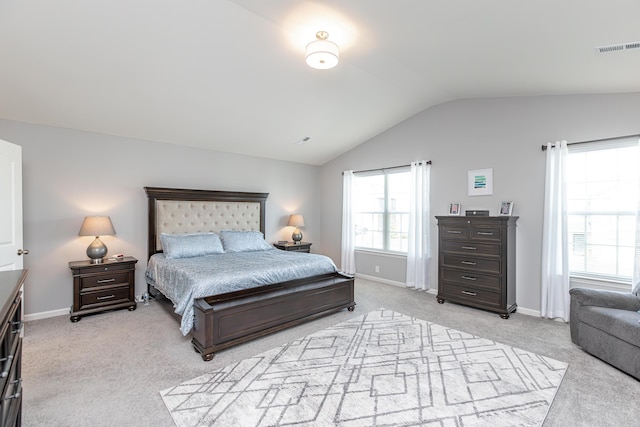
x,y
617,47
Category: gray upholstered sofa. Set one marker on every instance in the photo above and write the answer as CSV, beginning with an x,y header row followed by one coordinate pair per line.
x,y
606,324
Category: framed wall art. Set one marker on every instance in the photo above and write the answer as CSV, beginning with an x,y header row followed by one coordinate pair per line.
x,y
480,182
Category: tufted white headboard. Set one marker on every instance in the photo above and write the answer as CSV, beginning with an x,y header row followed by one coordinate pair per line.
x,y
178,211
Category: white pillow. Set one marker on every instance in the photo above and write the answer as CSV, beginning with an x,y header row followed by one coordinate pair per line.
x,y
243,241
190,245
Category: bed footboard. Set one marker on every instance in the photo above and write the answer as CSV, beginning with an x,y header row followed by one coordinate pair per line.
x,y
226,320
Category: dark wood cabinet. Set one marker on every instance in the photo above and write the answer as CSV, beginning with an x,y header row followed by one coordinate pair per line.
x,y
294,247
100,287
477,262
11,288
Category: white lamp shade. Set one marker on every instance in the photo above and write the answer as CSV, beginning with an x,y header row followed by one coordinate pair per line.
x,y
97,226
296,220
322,54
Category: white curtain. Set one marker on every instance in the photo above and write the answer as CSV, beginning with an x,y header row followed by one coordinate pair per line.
x,y
635,285
348,261
418,251
555,236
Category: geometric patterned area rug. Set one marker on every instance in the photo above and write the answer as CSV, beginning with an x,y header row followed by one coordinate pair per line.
x,y
380,369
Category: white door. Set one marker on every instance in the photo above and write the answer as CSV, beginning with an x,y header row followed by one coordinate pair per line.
x,y
11,252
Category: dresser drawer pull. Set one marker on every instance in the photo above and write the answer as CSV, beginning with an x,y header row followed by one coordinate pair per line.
x,y
7,366
468,278
468,262
484,233
471,248
17,394
454,232
473,294
105,297
19,325
106,280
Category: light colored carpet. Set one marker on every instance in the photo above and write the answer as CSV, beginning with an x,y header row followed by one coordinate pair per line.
x,y
107,369
381,368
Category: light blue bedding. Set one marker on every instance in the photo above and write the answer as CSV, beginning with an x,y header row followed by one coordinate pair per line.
x,y
185,279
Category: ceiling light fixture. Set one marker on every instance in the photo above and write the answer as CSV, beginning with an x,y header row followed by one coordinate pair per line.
x,y
321,53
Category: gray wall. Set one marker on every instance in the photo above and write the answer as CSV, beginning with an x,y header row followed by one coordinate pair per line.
x,y
68,174
504,134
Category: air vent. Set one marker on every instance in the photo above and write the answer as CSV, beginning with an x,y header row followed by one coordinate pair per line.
x,y
617,47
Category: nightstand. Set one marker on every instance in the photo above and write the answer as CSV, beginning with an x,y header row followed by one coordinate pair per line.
x,y
101,287
294,247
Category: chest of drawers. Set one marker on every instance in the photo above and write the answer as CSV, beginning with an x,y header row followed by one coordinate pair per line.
x,y
100,287
477,262
11,328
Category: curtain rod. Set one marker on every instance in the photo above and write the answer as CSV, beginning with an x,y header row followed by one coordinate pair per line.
x,y
544,147
428,162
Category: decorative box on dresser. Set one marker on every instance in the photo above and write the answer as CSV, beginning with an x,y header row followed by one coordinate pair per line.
x,y
105,286
11,288
477,262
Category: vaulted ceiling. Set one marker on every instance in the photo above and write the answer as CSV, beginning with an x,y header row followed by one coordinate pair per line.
x,y
230,75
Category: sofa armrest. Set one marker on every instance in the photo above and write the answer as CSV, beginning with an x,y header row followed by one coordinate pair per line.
x,y
608,299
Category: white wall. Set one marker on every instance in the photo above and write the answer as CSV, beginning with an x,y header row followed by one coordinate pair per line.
x,y
68,174
504,134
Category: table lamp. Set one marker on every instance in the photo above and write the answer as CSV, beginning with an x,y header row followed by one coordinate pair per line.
x,y
296,220
96,226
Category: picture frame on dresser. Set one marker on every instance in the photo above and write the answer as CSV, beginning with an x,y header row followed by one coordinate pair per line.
x,y
454,209
506,208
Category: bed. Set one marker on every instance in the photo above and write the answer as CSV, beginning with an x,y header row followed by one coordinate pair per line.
x,y
238,314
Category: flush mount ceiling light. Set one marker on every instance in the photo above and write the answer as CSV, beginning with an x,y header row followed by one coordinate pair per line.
x,y
321,53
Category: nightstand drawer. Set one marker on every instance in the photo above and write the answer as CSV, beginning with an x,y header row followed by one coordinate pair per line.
x,y
492,249
115,278
472,263
103,268
106,296
467,279
304,248
470,295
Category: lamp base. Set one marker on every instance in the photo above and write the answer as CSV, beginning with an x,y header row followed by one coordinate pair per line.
x,y
296,236
96,251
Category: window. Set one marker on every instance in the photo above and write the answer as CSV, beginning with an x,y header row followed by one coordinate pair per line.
x,y
602,197
382,210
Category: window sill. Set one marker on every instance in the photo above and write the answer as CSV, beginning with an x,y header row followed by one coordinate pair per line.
x,y
587,282
381,252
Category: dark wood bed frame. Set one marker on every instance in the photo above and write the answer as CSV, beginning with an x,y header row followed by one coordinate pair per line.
x,y
232,318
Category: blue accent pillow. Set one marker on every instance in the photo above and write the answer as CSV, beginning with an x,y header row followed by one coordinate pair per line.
x,y
243,241
190,245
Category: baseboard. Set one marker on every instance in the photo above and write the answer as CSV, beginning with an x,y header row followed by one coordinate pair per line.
x,y
46,314
521,310
380,280
528,311
390,282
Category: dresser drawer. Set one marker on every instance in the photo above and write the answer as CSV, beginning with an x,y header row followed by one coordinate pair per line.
x,y
450,232
472,248
485,233
106,296
471,279
113,278
470,295
472,263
